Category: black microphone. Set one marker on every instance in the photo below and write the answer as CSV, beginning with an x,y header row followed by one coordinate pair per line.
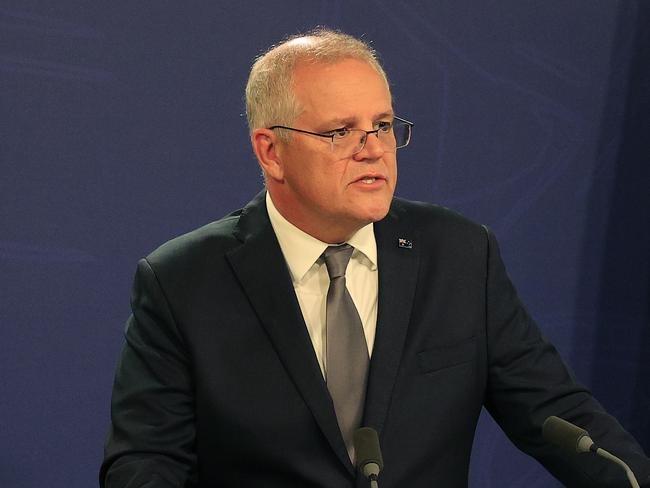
x,y
368,454
574,439
566,435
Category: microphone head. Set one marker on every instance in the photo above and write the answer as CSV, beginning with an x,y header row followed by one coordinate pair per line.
x,y
366,446
566,435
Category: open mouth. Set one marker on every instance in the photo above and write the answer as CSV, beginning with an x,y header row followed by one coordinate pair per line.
x,y
369,179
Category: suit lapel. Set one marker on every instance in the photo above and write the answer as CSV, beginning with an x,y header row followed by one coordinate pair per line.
x,y
262,272
398,267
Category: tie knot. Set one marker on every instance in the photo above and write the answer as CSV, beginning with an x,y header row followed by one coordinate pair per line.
x,y
336,259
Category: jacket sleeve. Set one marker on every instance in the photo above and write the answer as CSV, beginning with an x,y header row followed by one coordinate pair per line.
x,y
151,442
528,382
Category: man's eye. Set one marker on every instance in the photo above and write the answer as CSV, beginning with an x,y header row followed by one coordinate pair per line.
x,y
384,126
340,133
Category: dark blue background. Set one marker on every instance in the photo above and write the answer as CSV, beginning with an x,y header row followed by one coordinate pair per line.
x,y
121,126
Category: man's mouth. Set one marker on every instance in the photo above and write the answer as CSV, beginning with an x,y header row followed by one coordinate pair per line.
x,y
369,180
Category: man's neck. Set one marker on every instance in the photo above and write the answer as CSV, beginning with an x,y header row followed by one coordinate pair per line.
x,y
331,232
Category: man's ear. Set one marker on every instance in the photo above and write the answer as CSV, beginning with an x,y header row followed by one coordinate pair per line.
x,y
266,146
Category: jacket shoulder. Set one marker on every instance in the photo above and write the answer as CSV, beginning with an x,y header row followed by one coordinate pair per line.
x,y
213,239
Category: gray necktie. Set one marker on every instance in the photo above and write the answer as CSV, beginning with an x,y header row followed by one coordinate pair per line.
x,y
347,352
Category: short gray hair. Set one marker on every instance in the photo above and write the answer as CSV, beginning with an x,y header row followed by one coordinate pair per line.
x,y
270,99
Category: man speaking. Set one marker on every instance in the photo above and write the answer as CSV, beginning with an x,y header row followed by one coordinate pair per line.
x,y
259,343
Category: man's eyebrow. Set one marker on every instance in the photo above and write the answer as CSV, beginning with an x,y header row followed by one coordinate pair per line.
x,y
351,121
346,121
383,115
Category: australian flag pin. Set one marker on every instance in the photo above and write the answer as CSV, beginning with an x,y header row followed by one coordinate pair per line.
x,y
404,243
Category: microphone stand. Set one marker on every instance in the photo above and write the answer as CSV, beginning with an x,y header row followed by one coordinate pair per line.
x,y
607,455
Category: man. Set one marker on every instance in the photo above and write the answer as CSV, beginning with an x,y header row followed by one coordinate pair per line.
x,y
249,362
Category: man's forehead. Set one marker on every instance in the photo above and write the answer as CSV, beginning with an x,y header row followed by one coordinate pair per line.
x,y
349,74
345,93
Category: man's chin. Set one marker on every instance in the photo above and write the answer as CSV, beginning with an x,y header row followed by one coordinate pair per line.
x,y
374,207
376,214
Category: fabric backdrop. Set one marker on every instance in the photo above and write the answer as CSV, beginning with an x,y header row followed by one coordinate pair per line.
x,y
121,126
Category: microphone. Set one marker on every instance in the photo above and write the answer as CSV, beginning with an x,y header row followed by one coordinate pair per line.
x,y
566,435
368,454
574,439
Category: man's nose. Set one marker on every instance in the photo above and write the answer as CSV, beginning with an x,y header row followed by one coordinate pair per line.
x,y
373,149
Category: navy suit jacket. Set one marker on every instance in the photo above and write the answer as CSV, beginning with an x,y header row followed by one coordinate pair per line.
x,y
218,384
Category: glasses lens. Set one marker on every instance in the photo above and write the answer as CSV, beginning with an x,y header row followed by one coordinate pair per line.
x,y
402,131
352,143
398,136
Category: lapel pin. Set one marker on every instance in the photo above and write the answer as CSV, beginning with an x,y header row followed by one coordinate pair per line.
x,y
404,243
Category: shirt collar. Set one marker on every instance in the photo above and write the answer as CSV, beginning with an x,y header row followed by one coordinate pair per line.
x,y
301,250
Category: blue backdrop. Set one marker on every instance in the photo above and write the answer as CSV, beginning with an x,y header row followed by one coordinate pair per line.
x,y
121,126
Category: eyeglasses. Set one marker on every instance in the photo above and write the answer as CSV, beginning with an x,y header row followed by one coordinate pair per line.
x,y
347,142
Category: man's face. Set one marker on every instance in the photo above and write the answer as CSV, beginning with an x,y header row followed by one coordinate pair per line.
x,y
326,195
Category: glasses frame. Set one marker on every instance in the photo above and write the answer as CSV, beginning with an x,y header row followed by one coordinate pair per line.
x,y
331,136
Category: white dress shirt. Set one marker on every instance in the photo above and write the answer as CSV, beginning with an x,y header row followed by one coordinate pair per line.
x,y
302,253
